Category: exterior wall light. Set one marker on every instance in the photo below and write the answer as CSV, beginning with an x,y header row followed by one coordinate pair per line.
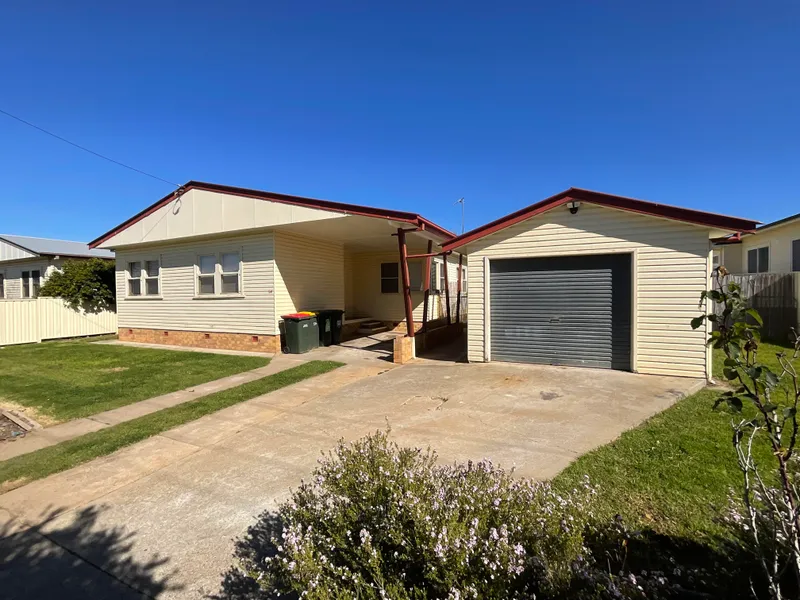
x,y
573,206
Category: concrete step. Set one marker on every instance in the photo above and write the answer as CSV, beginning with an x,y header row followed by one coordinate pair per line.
x,y
370,327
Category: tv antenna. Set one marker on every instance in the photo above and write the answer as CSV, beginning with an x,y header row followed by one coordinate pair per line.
x,y
461,202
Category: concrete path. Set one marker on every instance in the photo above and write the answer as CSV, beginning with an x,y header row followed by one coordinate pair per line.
x,y
179,499
49,436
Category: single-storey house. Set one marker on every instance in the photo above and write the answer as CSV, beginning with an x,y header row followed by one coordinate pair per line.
x,y
772,248
591,279
216,266
27,262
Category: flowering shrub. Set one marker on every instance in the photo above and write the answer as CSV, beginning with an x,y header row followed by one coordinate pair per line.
x,y
380,521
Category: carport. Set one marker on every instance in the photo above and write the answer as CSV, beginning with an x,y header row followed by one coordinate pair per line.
x,y
591,279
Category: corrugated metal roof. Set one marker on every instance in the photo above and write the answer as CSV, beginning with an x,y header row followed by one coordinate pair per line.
x,y
55,247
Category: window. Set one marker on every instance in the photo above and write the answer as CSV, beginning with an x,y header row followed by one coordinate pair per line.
x,y
2,286
134,279
143,278
26,284
463,279
758,260
36,283
230,273
796,255
442,267
219,274
151,270
415,275
390,278
207,269
715,259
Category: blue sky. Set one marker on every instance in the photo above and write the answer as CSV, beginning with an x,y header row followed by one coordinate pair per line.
x,y
408,105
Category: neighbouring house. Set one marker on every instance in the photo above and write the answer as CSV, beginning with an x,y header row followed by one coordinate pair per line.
x,y
772,248
26,262
591,279
216,266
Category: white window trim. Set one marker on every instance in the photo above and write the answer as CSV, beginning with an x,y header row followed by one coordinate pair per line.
x,y
143,296
30,271
769,259
218,295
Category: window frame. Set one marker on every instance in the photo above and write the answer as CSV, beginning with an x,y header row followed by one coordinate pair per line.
x,y
143,278
2,285
395,278
795,267
25,284
218,274
757,250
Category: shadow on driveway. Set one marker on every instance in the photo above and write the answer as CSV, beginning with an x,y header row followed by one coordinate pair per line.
x,y
50,560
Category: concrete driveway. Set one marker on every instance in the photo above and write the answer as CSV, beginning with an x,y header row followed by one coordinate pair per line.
x,y
159,517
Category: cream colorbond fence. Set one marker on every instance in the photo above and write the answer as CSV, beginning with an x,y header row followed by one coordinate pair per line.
x,y
29,321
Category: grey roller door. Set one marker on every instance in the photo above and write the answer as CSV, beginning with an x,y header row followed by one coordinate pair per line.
x,y
573,310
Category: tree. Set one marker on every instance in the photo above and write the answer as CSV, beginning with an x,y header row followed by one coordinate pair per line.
x,y
84,284
770,521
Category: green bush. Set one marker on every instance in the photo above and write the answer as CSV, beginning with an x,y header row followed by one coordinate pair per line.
x,y
84,284
380,521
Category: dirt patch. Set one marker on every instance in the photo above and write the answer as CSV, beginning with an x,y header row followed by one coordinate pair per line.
x,y
7,486
511,380
31,413
114,370
9,430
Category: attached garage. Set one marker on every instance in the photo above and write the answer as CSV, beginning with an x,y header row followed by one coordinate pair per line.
x,y
592,280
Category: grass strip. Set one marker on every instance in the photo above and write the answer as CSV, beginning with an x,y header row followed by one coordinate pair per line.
x,y
20,470
673,473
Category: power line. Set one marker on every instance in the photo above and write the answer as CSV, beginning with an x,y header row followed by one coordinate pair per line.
x,y
58,137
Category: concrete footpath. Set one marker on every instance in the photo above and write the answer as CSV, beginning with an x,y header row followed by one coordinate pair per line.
x,y
49,436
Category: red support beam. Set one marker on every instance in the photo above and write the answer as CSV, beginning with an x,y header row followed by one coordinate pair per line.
x,y
426,278
458,288
401,242
446,289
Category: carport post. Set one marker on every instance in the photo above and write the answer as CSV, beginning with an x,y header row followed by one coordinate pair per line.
x,y
426,278
401,241
458,288
446,288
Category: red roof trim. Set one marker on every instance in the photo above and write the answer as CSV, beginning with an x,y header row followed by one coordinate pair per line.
x,y
350,209
645,207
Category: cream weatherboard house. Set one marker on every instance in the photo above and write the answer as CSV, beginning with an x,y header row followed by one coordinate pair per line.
x,y
590,279
217,266
772,248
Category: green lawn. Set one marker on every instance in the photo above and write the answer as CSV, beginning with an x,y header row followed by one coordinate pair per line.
x,y
60,381
28,467
670,473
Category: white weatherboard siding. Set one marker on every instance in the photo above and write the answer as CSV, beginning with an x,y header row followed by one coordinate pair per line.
x,y
13,252
309,274
179,308
671,263
200,212
13,274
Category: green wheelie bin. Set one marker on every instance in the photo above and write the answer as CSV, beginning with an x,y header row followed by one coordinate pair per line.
x,y
301,332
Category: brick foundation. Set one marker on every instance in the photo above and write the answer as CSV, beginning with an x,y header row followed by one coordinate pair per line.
x,y
203,339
